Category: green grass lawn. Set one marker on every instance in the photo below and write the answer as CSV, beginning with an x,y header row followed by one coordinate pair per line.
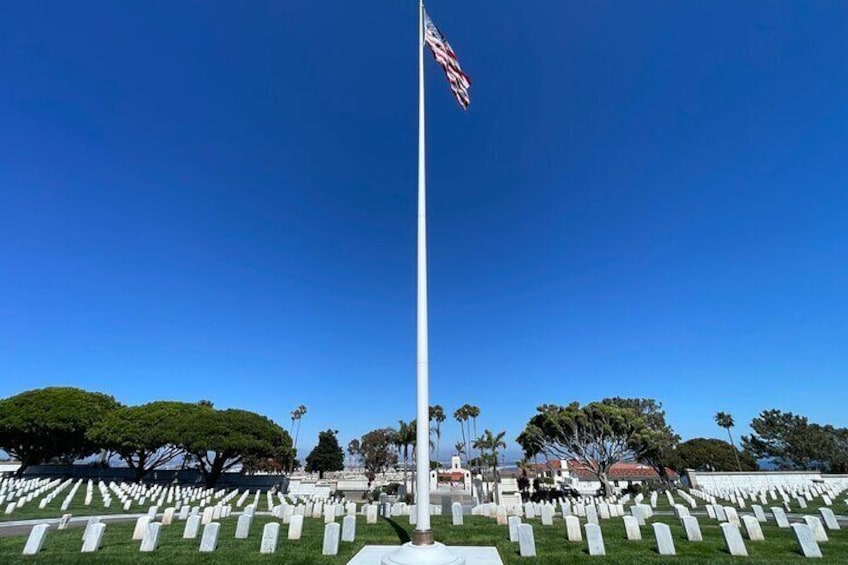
x,y
552,548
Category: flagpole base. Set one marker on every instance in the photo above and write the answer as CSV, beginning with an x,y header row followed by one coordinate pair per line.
x,y
433,553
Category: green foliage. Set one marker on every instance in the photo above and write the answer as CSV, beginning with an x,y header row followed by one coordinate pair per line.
x,y
146,437
708,454
376,451
221,439
654,444
597,434
39,425
327,455
791,442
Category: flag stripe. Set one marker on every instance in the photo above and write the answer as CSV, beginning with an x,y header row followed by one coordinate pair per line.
x,y
445,56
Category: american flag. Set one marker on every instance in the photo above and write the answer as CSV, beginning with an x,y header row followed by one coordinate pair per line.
x,y
444,55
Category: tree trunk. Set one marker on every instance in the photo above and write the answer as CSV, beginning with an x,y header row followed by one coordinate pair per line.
x,y
464,443
605,483
735,452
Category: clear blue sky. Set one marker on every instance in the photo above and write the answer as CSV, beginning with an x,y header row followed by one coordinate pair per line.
x,y
204,200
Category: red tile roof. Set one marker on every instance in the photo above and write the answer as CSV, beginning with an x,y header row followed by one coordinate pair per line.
x,y
624,470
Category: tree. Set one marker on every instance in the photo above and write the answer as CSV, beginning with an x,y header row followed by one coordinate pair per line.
x,y
327,455
460,448
353,449
725,420
461,415
791,442
598,435
492,443
145,437
709,454
48,423
473,413
296,416
377,453
404,439
656,442
437,414
218,440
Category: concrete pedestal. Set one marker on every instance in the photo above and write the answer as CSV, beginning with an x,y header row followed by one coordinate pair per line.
x,y
436,554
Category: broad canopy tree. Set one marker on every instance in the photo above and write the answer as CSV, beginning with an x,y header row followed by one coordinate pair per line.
x,y
654,444
791,442
598,435
710,454
327,455
221,439
145,437
376,450
39,425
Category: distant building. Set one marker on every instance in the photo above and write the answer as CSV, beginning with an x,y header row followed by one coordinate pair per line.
x,y
575,474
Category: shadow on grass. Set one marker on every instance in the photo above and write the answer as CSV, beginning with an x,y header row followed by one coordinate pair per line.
x,y
401,533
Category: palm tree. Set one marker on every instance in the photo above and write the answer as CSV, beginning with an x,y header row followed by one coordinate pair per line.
x,y
725,420
461,416
405,438
473,412
437,414
296,415
460,448
492,443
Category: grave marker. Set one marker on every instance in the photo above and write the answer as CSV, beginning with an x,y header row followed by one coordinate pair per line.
x,y
526,541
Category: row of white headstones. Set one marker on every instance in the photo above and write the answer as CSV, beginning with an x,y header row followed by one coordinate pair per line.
x,y
291,512
592,509
808,533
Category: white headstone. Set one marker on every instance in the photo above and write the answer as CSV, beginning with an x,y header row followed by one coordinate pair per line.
x,y
243,526
595,540
371,514
296,526
733,539
662,533
547,513
209,539
168,516
331,539
63,521
592,514
456,514
807,544
94,535
526,541
780,517
207,516
150,541
140,528
732,516
513,522
152,511
752,528
758,513
693,529
815,524
183,515
191,528
572,529
631,528
829,518
349,528
270,533
88,525
36,539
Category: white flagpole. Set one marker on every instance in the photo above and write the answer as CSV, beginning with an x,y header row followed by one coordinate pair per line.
x,y
423,550
422,528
